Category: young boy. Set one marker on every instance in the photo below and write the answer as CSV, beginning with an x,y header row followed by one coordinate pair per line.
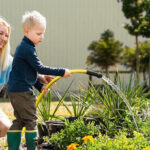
x,y
26,65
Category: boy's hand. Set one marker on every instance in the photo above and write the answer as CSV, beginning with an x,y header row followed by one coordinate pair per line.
x,y
67,73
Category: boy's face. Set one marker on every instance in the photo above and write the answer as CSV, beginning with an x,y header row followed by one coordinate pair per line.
x,y
35,33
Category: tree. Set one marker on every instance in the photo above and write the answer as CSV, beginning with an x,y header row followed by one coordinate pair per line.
x,y
129,57
105,52
134,11
145,25
145,58
145,28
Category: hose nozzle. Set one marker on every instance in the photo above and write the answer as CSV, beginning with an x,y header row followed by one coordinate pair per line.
x,y
96,74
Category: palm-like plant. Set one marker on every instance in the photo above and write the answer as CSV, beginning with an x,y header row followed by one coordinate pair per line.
x,y
81,102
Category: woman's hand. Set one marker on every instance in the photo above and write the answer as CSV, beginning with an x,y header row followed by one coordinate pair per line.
x,y
45,79
44,89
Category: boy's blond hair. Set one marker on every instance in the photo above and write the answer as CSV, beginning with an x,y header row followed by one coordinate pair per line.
x,y
5,57
29,19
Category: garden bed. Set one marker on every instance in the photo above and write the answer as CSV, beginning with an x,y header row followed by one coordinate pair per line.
x,y
80,136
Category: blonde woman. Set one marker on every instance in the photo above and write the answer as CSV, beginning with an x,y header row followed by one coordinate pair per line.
x,y
5,68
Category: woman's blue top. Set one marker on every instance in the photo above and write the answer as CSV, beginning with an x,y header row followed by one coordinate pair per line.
x,y
4,76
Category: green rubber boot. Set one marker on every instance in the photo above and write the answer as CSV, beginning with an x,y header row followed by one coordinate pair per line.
x,y
13,139
30,135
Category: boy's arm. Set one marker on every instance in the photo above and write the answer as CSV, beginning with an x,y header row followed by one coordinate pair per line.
x,y
34,61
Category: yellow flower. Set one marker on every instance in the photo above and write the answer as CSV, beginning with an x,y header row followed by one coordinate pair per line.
x,y
136,134
88,138
147,148
72,146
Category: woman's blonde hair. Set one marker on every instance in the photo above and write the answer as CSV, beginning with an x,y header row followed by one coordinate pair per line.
x,y
5,57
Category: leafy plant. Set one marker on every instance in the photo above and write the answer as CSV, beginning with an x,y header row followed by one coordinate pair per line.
x,y
119,142
114,111
87,137
81,102
73,133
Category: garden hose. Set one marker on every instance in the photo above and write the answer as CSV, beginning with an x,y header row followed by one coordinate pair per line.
x,y
98,75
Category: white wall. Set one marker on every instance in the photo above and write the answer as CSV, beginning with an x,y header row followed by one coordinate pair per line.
x,y
71,26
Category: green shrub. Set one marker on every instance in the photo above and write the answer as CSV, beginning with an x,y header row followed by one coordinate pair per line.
x,y
73,133
119,142
115,113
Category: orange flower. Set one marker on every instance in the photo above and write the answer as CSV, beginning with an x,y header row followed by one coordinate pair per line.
x,y
72,146
88,138
147,148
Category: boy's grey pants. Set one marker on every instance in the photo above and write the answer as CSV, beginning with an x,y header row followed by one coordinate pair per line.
x,y
24,107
